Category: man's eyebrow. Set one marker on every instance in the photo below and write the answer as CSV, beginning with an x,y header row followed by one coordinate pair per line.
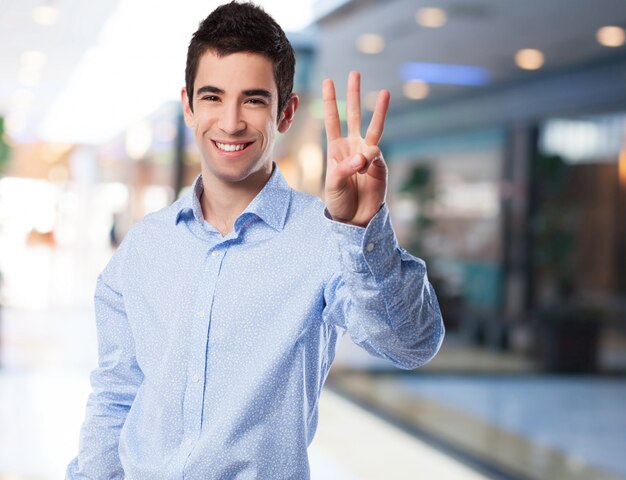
x,y
258,92
210,89
253,92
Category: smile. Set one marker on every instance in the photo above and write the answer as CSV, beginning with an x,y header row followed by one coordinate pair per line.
x,y
231,147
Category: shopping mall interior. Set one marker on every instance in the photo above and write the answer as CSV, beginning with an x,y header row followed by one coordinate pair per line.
x,y
506,146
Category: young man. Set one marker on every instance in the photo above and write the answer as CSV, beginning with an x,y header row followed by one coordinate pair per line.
x,y
218,317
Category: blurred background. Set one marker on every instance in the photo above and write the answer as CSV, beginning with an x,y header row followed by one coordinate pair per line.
x,y
506,143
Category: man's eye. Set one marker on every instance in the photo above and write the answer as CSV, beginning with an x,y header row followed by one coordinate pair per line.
x,y
256,101
211,98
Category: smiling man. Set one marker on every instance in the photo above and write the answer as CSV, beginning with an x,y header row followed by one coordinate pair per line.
x,y
218,317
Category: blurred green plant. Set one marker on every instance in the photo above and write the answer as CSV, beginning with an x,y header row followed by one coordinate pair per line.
x,y
4,146
4,160
420,186
554,226
568,331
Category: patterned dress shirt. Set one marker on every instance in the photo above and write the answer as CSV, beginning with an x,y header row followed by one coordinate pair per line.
x,y
213,349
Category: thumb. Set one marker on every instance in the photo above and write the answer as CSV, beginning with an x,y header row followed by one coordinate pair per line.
x,y
342,171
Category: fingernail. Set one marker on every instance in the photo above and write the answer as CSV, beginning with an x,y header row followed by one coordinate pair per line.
x,y
356,161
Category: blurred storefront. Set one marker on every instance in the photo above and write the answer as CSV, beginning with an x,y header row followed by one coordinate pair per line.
x,y
511,187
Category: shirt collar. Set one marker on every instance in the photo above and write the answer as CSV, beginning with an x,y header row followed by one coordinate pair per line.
x,y
270,204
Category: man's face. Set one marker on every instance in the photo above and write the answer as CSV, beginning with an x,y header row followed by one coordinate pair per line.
x,y
235,117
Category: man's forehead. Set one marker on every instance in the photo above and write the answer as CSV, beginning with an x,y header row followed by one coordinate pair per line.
x,y
239,70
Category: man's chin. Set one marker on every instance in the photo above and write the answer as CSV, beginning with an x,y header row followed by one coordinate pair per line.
x,y
241,177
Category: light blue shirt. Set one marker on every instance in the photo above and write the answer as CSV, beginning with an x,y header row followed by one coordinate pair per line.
x,y
213,349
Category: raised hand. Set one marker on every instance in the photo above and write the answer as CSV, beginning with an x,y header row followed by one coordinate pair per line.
x,y
356,173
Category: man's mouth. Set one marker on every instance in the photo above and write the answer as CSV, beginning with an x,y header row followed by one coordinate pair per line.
x,y
231,147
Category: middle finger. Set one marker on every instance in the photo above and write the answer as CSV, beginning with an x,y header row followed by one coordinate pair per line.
x,y
353,104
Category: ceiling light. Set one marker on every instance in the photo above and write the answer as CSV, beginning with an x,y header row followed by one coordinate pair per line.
x,y
415,89
370,43
529,59
46,15
431,17
611,36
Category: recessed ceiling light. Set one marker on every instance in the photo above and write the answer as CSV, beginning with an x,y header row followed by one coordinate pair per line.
x,y
431,17
415,89
529,59
611,36
370,43
46,15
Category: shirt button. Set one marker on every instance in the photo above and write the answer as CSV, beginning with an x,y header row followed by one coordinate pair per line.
x,y
195,379
188,442
370,247
215,253
201,314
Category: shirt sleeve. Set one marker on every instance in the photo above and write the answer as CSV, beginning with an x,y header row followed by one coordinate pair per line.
x,y
114,382
382,295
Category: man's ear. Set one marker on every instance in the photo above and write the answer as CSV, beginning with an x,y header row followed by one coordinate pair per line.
x,y
187,112
286,118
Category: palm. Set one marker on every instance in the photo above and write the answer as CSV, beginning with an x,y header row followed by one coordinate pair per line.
x,y
356,174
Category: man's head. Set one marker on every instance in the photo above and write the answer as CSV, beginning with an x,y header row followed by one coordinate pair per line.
x,y
243,27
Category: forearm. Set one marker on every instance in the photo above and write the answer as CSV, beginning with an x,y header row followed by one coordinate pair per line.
x,y
98,455
114,383
389,308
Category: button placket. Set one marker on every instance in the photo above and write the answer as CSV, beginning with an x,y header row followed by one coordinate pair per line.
x,y
193,404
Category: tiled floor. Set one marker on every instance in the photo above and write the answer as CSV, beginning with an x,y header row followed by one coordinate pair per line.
x,y
522,426
584,419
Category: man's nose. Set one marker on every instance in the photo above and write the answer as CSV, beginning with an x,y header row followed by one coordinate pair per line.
x,y
231,120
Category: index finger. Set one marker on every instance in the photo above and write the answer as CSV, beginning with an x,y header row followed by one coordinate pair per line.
x,y
377,123
332,123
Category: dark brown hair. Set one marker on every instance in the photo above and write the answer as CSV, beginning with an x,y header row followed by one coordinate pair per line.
x,y
243,27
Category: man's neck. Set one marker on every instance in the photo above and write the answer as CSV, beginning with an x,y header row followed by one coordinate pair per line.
x,y
223,202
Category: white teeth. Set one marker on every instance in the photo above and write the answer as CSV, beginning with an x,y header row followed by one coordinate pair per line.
x,y
228,147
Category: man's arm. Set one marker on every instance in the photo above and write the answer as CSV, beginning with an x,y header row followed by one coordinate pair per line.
x,y
114,382
382,295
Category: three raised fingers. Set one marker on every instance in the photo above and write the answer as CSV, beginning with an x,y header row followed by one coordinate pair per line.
x,y
332,121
